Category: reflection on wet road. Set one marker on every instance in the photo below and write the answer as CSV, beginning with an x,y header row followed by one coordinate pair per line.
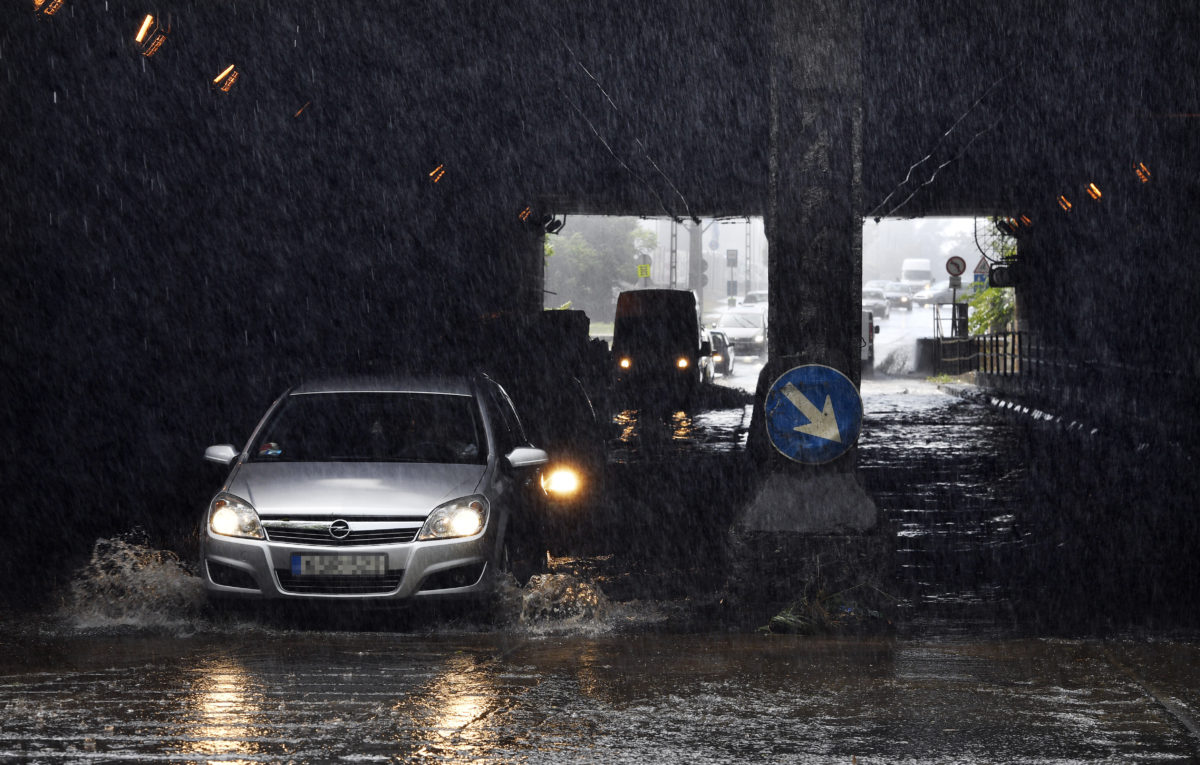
x,y
949,476
258,696
643,437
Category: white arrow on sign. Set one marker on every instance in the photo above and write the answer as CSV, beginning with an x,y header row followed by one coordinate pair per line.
x,y
821,422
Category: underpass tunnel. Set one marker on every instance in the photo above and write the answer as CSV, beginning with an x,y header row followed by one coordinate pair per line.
x,y
178,253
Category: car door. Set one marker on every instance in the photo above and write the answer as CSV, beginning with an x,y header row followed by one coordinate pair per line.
x,y
518,489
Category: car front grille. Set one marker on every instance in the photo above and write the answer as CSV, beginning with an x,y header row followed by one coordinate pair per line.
x,y
339,585
357,537
316,532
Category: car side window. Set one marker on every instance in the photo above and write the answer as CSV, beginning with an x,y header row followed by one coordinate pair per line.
x,y
509,430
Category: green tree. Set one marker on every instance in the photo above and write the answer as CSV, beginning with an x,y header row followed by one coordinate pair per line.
x,y
599,257
994,307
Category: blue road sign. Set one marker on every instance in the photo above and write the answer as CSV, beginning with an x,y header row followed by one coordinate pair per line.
x,y
813,413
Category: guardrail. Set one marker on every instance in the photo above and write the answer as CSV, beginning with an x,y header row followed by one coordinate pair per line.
x,y
1005,354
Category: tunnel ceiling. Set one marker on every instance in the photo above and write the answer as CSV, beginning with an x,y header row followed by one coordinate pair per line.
x,y
605,107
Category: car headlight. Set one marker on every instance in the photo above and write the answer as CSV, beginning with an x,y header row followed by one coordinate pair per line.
x,y
682,362
463,517
758,338
232,516
561,481
625,362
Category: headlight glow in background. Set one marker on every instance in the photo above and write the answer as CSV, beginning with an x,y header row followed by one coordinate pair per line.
x,y
561,481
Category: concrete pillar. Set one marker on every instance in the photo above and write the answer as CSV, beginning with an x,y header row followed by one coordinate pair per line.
x,y
814,230
813,222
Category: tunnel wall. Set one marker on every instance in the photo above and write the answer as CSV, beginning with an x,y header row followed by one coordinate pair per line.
x,y
174,256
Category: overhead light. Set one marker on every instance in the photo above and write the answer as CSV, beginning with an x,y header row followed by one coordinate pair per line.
x,y
224,81
1026,221
540,223
144,31
436,174
151,36
1064,203
46,7
1093,191
301,109
1143,172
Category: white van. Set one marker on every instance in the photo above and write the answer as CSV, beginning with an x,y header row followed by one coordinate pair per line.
x,y
916,271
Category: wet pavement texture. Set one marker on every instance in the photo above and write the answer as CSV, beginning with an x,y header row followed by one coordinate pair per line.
x,y
260,696
1014,637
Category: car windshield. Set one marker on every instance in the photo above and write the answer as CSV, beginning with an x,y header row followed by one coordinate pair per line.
x,y
740,319
373,427
872,294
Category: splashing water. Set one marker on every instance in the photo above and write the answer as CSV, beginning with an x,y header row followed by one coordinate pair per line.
x,y
129,584
560,603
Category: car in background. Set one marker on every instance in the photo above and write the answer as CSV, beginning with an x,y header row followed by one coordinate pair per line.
x,y
722,353
899,295
940,292
657,347
746,327
376,491
754,297
867,346
876,302
561,419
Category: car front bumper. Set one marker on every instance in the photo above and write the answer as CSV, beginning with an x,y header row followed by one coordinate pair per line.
x,y
259,569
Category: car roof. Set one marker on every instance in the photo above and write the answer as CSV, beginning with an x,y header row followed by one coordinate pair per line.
x,y
449,384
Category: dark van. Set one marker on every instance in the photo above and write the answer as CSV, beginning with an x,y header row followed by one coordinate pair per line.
x,y
657,347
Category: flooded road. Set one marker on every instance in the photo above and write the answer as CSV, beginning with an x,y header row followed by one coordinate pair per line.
x,y
630,648
256,695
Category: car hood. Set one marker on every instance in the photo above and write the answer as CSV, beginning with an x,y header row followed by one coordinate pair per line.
x,y
352,488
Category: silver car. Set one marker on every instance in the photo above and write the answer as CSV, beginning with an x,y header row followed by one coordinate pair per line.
x,y
876,302
375,491
746,328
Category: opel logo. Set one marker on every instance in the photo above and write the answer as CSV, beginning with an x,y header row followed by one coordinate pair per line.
x,y
339,529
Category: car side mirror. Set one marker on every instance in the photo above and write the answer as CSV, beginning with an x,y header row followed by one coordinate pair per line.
x,y
877,329
222,454
527,456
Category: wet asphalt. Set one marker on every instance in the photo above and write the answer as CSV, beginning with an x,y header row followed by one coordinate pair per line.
x,y
253,695
630,647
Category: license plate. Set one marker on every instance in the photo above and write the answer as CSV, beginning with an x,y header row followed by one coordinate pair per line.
x,y
338,565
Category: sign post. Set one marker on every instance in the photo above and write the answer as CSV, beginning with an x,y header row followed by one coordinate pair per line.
x,y
981,274
955,266
813,414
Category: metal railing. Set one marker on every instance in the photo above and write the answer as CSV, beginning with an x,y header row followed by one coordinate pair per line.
x,y
1005,354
